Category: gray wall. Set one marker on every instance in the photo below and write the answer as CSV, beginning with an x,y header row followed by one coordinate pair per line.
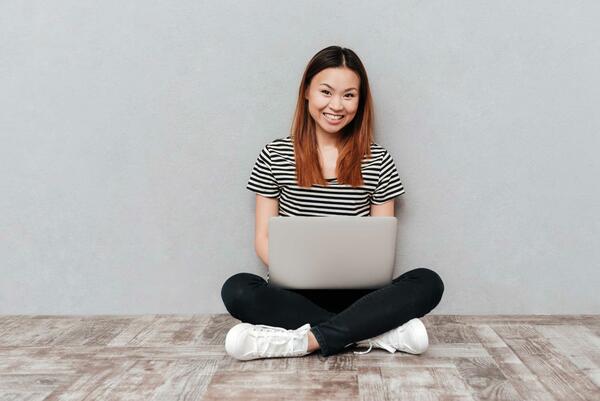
x,y
129,129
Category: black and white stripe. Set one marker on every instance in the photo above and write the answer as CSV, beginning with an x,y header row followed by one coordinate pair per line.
x,y
274,176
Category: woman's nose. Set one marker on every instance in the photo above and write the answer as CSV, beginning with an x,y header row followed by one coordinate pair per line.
x,y
335,104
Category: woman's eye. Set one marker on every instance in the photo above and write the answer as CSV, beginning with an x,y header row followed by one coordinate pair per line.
x,y
326,92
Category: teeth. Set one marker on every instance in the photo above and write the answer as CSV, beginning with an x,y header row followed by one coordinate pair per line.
x,y
332,116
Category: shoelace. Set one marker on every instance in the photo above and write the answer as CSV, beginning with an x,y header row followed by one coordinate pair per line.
x,y
275,335
381,341
367,351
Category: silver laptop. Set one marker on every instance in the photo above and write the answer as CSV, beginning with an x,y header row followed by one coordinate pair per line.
x,y
332,252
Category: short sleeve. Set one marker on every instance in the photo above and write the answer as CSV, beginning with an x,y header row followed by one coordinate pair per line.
x,y
388,185
262,181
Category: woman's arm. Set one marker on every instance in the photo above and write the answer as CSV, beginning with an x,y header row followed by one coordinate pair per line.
x,y
385,209
265,209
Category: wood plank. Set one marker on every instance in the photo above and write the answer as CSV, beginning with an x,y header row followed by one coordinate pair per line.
x,y
371,386
416,383
96,331
522,379
282,385
561,377
577,343
186,380
35,331
163,330
486,380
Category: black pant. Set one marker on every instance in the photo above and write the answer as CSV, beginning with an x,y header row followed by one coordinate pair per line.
x,y
338,318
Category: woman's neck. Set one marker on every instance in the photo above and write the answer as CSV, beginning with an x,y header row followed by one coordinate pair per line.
x,y
326,140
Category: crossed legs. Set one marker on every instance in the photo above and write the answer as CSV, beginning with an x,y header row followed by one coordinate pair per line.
x,y
338,318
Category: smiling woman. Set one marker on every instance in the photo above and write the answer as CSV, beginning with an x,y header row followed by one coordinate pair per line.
x,y
332,126
328,165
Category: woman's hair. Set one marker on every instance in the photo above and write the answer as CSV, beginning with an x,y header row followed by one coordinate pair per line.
x,y
356,137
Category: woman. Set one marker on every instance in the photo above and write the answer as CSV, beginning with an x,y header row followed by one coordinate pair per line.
x,y
329,165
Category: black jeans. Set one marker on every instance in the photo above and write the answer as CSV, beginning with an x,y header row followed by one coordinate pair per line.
x,y
338,318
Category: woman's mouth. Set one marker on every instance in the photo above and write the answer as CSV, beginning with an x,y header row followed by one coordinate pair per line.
x,y
333,118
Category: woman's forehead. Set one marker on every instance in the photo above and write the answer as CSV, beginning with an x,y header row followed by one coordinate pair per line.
x,y
337,78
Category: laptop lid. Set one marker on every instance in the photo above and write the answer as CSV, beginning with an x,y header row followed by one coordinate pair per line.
x,y
332,252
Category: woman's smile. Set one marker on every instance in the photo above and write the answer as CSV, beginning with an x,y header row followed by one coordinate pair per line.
x,y
333,119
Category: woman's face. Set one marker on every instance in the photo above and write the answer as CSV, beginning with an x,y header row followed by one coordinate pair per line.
x,y
333,92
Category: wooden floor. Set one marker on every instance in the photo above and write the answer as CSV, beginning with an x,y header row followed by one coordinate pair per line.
x,y
173,357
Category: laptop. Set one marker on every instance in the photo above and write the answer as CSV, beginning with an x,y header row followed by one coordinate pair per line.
x,y
332,252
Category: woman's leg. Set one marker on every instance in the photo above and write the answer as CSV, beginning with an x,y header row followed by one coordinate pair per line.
x,y
249,298
410,295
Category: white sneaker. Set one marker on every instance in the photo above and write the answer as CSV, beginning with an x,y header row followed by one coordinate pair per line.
x,y
411,337
246,341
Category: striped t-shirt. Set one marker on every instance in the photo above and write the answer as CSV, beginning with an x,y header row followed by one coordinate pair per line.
x,y
274,176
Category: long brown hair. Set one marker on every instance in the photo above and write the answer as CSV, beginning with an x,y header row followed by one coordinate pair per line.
x,y
356,137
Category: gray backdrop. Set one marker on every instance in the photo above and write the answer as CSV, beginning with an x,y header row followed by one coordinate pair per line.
x,y
129,130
